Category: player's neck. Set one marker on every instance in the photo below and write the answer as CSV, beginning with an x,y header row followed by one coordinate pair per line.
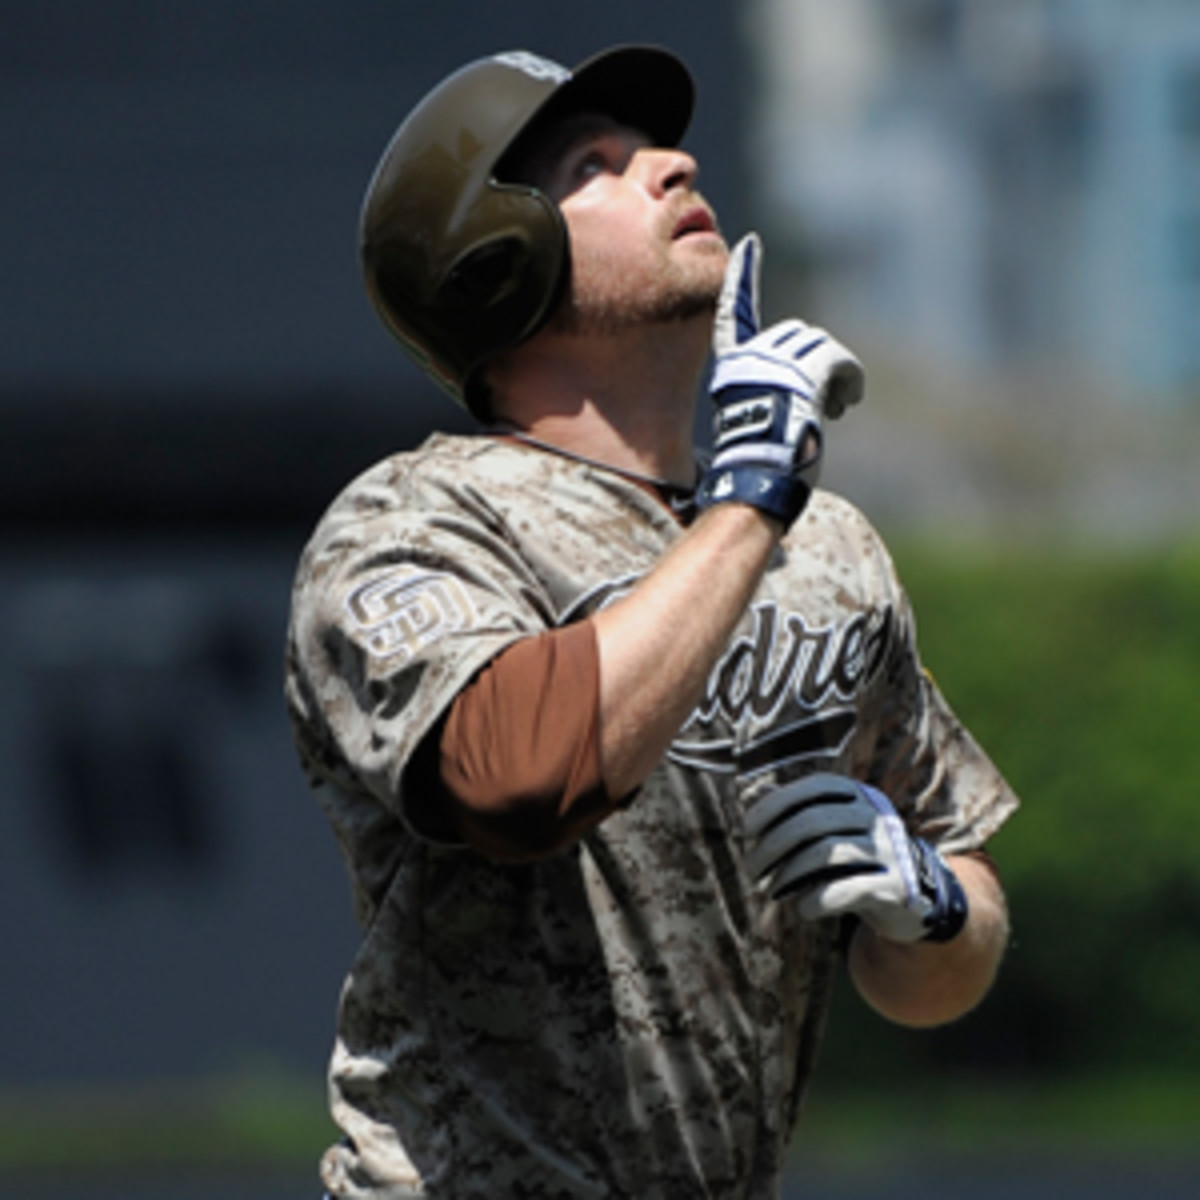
x,y
627,400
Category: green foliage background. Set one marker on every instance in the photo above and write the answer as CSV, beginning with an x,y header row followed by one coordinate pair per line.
x,y
1081,676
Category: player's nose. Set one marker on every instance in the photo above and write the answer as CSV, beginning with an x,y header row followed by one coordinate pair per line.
x,y
667,169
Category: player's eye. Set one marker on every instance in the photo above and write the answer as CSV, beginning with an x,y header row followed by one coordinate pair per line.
x,y
594,162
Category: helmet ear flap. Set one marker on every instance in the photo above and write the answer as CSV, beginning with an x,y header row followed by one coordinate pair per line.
x,y
485,275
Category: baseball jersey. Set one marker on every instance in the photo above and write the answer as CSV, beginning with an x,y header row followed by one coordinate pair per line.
x,y
630,1017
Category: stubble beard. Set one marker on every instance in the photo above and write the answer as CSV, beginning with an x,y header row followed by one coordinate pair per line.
x,y
682,295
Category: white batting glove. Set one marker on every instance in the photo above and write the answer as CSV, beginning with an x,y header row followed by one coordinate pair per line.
x,y
771,389
840,847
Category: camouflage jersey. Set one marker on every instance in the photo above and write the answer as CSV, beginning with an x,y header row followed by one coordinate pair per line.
x,y
629,1017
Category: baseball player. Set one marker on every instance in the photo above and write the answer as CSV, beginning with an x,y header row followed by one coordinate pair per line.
x,y
625,752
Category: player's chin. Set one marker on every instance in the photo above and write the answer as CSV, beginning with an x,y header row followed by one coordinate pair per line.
x,y
705,242
695,298
704,258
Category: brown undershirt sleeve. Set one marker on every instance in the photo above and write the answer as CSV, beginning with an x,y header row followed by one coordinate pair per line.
x,y
518,766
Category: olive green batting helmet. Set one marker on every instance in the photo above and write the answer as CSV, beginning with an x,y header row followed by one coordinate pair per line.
x,y
461,264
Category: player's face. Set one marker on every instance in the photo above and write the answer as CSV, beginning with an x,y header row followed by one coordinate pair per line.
x,y
645,246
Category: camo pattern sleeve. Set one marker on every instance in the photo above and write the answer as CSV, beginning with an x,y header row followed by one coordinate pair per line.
x,y
407,588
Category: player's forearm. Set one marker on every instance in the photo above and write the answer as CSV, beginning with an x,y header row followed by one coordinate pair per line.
x,y
924,984
658,645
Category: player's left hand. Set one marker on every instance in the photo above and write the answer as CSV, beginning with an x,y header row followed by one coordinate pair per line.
x,y
840,847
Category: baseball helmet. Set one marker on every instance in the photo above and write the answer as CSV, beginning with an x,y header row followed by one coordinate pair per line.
x,y
460,263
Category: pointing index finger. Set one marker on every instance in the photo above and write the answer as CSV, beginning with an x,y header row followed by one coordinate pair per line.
x,y
738,307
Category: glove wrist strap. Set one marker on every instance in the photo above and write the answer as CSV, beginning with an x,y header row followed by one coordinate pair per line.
x,y
777,493
941,886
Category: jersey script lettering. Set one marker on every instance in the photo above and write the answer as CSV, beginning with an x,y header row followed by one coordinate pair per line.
x,y
781,661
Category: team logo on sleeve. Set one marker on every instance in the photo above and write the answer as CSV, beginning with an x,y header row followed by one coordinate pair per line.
x,y
406,611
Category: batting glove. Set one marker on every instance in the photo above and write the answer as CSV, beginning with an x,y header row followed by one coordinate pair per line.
x,y
840,847
771,390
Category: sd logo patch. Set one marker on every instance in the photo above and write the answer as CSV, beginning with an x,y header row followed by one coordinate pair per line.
x,y
407,610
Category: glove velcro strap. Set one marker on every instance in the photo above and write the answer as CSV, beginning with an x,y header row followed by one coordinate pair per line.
x,y
779,493
940,886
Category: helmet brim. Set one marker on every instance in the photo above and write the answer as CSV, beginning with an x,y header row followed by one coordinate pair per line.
x,y
644,87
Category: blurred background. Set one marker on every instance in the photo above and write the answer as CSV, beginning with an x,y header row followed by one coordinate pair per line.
x,y
996,205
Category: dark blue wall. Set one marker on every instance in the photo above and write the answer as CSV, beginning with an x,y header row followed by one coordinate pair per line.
x,y
183,180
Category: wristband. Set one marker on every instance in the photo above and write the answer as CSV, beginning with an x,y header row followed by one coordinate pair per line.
x,y
941,887
778,493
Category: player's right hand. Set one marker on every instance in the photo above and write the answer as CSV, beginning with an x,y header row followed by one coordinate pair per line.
x,y
790,355
771,390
